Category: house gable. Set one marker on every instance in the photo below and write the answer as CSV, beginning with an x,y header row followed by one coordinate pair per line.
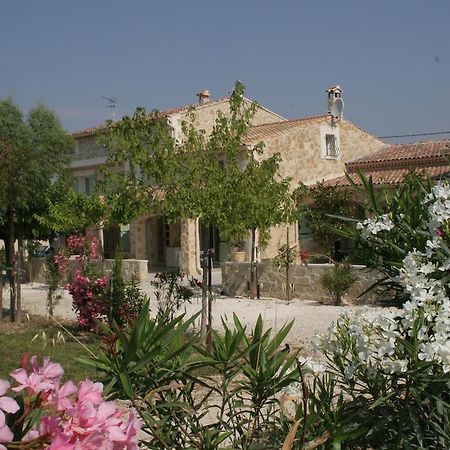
x,y
302,144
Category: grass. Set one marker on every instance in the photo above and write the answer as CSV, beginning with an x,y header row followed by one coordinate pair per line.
x,y
40,337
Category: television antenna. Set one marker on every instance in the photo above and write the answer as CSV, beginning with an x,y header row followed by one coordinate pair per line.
x,y
112,103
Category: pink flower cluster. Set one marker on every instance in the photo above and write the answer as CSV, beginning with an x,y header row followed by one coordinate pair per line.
x,y
62,262
71,417
89,291
83,246
90,299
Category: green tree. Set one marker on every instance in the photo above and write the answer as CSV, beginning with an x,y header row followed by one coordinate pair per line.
x,y
213,177
67,212
33,150
321,205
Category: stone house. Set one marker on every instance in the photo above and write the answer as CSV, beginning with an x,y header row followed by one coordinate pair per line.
x,y
149,241
312,149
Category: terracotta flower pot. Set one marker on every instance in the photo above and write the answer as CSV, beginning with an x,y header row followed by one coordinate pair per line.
x,y
237,256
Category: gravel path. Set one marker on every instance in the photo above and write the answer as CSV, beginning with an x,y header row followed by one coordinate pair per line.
x,y
310,317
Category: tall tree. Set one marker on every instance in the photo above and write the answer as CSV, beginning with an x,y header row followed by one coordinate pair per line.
x,y
213,177
33,150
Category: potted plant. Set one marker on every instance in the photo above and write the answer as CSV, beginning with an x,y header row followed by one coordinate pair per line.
x,y
238,253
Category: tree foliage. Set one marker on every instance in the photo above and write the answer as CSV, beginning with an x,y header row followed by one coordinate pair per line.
x,y
396,225
320,205
213,177
33,150
68,212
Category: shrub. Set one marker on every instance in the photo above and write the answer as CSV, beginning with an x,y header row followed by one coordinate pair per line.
x,y
170,293
337,281
396,224
89,290
134,300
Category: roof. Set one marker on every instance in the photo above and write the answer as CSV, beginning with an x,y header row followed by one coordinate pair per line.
x,y
166,113
257,133
388,177
398,155
390,164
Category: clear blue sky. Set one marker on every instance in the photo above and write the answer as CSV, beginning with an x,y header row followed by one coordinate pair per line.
x,y
391,57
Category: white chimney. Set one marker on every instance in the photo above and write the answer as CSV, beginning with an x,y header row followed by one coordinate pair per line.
x,y
335,102
203,96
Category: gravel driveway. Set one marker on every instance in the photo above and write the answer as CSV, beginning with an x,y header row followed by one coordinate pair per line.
x,y
310,317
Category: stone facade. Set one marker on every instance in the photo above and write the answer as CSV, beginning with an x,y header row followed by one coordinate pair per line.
x,y
301,145
304,280
302,152
206,115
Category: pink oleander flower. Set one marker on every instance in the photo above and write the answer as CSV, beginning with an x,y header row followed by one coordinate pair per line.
x,y
131,430
33,382
61,397
90,392
8,405
71,417
42,378
49,370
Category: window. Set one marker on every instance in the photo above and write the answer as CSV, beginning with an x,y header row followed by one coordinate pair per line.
x,y
331,145
90,184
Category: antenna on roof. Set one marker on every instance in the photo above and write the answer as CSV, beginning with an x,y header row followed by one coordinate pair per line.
x,y
112,103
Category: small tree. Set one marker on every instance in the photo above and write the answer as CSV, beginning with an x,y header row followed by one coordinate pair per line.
x,y
214,177
337,281
319,205
32,152
285,259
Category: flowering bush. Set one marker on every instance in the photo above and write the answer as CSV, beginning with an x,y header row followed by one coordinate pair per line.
x,y
397,225
90,291
395,367
41,412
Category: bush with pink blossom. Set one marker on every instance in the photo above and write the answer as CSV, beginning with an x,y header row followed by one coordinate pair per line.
x,y
39,411
89,289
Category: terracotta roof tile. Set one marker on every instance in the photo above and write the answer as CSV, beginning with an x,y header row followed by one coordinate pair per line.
x,y
167,112
258,133
388,177
414,154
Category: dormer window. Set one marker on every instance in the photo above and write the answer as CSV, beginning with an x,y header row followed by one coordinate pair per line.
x,y
331,146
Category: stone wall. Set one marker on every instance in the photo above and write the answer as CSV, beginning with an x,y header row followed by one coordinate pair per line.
x,y
304,282
35,269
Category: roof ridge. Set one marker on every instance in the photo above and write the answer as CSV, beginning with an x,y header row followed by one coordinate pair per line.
x,y
298,119
165,113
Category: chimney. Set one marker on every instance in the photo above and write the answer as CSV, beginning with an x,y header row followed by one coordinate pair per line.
x,y
333,92
335,102
203,96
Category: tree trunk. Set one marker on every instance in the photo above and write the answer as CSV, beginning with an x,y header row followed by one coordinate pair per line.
x,y
204,315
288,284
1,292
209,333
11,263
253,273
20,271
